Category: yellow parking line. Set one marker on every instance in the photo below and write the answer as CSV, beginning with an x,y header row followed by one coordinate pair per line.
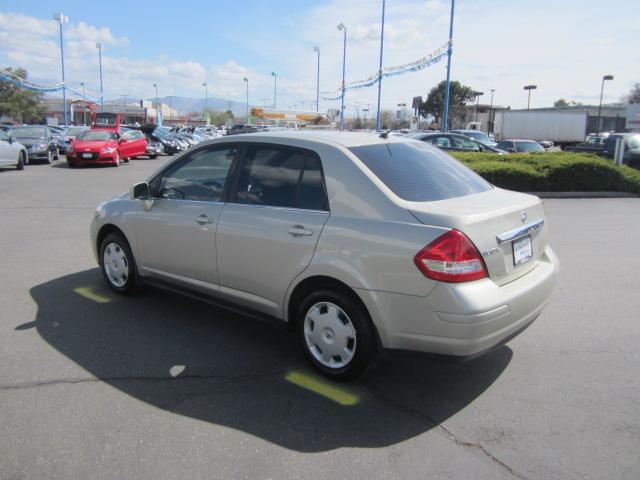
x,y
87,292
323,387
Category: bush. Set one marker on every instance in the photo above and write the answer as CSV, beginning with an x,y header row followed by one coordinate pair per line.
x,y
552,172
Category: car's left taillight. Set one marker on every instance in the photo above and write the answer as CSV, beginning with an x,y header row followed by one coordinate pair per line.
x,y
451,257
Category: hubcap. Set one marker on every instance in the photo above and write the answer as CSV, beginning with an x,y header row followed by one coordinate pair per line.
x,y
330,335
116,264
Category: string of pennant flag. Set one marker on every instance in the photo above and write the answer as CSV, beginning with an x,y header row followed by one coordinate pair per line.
x,y
415,66
45,88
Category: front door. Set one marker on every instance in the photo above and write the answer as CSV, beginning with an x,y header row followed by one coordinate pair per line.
x,y
176,237
268,233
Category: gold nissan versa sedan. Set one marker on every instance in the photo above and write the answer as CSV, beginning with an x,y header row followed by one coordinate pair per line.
x,y
360,242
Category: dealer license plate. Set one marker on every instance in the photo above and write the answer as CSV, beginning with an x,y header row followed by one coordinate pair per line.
x,y
86,155
522,251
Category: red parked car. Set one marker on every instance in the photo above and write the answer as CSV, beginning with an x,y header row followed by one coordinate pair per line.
x,y
105,147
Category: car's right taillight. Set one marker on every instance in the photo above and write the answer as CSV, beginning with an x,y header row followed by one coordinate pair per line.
x,y
451,257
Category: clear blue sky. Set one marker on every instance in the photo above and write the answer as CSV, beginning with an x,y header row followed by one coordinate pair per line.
x,y
563,47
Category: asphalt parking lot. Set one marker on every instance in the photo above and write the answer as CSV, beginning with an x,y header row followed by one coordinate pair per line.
x,y
93,385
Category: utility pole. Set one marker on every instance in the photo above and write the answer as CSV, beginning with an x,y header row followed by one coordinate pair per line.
x,y
342,27
380,67
445,116
60,18
606,77
317,49
99,47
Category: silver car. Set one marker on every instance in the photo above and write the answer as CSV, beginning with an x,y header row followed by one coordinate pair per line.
x,y
12,153
358,242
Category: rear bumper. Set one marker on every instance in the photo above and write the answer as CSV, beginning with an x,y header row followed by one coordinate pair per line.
x,y
463,319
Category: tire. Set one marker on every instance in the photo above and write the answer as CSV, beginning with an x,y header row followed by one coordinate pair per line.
x,y
49,157
117,162
72,165
336,334
20,164
126,159
57,155
118,265
153,157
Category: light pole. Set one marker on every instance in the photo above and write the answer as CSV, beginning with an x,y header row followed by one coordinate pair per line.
x,y
99,47
246,80
317,50
342,27
490,122
206,104
401,107
606,77
445,116
155,85
84,110
275,85
365,110
380,68
477,101
170,108
60,18
529,88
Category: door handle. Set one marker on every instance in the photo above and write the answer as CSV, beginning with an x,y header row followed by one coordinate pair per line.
x,y
300,231
202,219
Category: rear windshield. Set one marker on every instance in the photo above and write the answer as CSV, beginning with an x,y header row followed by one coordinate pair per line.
x,y
526,147
419,173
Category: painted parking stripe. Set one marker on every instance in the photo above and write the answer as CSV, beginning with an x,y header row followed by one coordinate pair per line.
x,y
87,292
323,387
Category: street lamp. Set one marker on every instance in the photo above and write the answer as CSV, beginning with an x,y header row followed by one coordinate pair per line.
x,y
529,88
155,85
84,110
206,96
447,87
61,18
490,122
317,50
246,80
275,84
477,94
606,77
380,68
342,27
401,107
99,47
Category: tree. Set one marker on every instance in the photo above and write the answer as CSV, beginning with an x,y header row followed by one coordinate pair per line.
x,y
23,105
459,96
561,103
634,94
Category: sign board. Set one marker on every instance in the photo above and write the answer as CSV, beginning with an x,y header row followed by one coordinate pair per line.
x,y
416,102
633,117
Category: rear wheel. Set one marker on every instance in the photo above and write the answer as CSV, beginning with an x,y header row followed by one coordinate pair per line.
x,y
336,334
117,264
126,159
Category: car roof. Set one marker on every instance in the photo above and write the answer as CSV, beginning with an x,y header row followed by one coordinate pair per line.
x,y
344,139
518,140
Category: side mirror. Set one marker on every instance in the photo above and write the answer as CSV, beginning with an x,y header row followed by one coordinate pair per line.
x,y
141,191
12,139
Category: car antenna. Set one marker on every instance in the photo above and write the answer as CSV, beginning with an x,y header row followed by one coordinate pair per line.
x,y
386,134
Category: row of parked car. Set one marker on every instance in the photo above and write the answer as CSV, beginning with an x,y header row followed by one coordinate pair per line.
x,y
82,145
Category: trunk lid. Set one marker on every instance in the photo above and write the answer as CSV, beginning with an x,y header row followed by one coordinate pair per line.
x,y
485,216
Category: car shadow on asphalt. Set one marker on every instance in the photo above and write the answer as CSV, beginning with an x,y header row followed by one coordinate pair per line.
x,y
193,359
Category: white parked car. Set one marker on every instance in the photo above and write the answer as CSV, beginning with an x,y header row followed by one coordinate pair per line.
x,y
359,242
12,153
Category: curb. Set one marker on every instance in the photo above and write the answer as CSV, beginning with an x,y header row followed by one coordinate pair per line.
x,y
584,194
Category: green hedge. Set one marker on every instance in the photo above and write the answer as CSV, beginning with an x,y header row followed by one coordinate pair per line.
x,y
552,172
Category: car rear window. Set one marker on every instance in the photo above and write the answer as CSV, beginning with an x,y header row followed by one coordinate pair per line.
x,y
419,173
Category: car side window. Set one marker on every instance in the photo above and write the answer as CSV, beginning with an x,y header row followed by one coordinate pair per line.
x,y
270,176
200,177
461,142
312,194
442,142
3,136
127,135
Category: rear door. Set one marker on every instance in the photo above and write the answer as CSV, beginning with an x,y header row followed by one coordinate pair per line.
x,y
268,231
176,237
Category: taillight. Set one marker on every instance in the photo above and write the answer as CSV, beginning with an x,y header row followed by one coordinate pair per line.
x,y
451,257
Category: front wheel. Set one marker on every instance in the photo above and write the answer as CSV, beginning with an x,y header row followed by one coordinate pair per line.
x,y
153,157
336,334
49,157
117,264
20,164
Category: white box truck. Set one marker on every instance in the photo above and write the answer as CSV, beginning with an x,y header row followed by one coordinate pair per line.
x,y
562,128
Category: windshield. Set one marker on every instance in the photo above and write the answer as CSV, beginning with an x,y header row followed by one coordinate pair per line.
x,y
74,131
526,147
28,132
479,136
419,173
97,135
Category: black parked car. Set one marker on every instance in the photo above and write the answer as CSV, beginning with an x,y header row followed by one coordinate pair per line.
x,y
631,154
40,142
239,128
453,142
